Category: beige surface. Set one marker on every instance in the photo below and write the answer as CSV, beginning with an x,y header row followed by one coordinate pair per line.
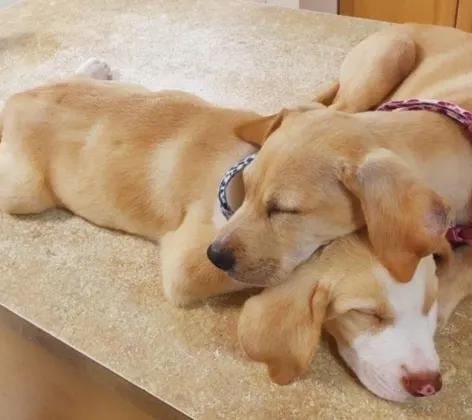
x,y
99,291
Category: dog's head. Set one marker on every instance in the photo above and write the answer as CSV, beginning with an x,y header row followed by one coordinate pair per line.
x,y
320,175
384,329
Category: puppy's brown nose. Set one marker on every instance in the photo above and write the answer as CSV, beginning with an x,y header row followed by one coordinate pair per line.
x,y
221,257
423,384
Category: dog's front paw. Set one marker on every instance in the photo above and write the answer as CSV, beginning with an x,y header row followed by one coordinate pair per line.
x,y
96,68
179,295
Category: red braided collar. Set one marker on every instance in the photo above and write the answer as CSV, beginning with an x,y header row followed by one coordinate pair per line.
x,y
455,234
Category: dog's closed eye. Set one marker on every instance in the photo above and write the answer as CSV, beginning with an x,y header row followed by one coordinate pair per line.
x,y
378,317
274,208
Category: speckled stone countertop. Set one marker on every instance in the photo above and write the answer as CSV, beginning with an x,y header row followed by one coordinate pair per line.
x,y
99,291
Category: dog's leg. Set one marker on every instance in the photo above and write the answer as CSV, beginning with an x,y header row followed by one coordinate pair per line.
x,y
371,71
187,274
22,187
455,283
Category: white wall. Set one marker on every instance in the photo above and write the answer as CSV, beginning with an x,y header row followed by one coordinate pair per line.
x,y
328,6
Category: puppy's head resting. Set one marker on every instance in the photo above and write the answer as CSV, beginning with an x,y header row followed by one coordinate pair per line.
x,y
384,329
321,176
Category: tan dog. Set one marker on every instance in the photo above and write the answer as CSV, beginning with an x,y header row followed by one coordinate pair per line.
x,y
403,174
128,159
149,164
384,329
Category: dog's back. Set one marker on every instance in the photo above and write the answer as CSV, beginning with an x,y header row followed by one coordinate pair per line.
x,y
122,159
443,68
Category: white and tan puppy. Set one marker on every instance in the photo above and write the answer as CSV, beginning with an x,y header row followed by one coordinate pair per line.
x,y
384,329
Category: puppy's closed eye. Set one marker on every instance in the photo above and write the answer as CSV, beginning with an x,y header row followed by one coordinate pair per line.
x,y
274,208
374,315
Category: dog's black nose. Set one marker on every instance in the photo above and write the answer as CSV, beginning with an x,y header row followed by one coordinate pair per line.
x,y
221,258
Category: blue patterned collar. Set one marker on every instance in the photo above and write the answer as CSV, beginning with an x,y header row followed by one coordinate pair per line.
x,y
222,189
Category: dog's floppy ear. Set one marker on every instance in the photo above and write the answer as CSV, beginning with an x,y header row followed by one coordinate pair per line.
x,y
281,327
257,131
405,219
327,94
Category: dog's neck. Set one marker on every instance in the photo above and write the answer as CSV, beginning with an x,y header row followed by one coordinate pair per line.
x,y
438,148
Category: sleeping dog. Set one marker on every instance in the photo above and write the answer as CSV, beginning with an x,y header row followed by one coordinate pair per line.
x,y
150,164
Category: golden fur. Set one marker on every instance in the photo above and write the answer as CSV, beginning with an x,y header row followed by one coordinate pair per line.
x,y
335,166
404,175
340,292
149,164
128,159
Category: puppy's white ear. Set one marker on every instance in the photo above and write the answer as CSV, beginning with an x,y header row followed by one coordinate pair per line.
x,y
281,327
